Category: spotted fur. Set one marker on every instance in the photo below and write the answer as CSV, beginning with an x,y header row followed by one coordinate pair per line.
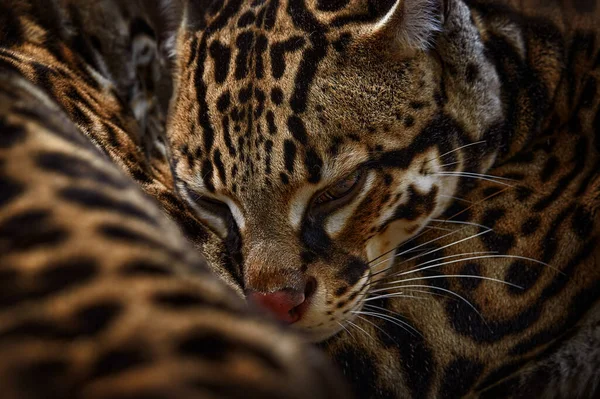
x,y
100,294
474,124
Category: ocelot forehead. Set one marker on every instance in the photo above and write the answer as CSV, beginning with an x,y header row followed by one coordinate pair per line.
x,y
261,118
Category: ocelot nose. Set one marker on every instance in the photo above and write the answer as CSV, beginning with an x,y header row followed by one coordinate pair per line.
x,y
285,304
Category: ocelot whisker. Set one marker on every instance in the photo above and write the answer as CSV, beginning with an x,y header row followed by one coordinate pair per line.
x,y
437,260
452,174
360,329
490,256
345,329
481,175
377,327
433,288
411,249
395,248
445,276
456,198
457,149
443,247
474,204
392,320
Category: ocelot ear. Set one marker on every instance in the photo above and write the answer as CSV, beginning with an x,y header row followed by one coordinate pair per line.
x,y
412,23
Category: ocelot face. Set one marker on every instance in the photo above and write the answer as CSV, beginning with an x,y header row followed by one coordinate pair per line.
x,y
314,137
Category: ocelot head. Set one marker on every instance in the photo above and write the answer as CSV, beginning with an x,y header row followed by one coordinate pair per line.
x,y
315,136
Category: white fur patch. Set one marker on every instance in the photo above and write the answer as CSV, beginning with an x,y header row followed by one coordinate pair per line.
x,y
298,206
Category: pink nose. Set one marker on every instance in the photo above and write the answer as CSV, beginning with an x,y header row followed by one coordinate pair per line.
x,y
284,304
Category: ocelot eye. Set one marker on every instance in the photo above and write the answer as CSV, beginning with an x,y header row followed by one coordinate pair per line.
x,y
341,190
209,204
214,213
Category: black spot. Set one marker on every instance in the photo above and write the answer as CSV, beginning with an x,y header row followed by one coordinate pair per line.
x,y
244,43
9,190
417,205
298,130
289,155
223,102
122,234
530,226
470,284
95,318
118,361
493,240
341,44
30,230
145,268
36,329
260,48
523,193
352,271
206,345
284,178
10,134
96,200
246,19
74,167
245,94
524,274
271,14
60,276
492,216
314,164
409,121
178,300
271,123
582,222
277,96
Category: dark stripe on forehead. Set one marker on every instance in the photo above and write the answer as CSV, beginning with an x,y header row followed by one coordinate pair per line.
x,y
271,14
244,43
222,56
305,21
201,90
260,47
314,164
289,155
297,129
